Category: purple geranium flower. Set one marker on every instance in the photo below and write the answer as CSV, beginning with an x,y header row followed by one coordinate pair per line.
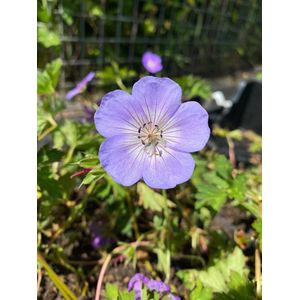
x,y
152,62
138,280
80,86
150,133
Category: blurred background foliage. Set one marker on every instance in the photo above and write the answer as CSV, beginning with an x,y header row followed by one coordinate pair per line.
x,y
204,237
199,37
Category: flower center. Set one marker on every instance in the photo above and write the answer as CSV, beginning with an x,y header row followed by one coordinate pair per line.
x,y
151,137
151,63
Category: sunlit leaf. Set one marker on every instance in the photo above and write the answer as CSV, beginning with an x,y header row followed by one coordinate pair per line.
x,y
201,293
221,274
164,261
223,166
194,86
53,70
47,37
94,175
210,195
111,291
238,188
89,162
150,199
44,83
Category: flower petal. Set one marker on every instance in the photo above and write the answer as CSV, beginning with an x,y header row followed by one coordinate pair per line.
x,y
168,170
72,93
188,130
118,114
157,285
122,156
90,76
159,97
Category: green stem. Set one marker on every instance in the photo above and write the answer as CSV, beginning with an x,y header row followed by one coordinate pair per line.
x,y
167,229
120,84
70,153
133,217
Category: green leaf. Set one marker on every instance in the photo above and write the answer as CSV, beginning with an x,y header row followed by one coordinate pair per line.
x,y
218,276
45,123
257,225
239,288
111,291
201,293
89,162
214,179
92,177
53,69
125,295
194,86
144,294
150,199
238,188
67,16
58,139
189,278
157,297
43,12
44,83
200,169
42,120
70,131
241,285
114,74
210,195
48,79
96,11
223,166
47,37
164,261
47,155
149,26
251,206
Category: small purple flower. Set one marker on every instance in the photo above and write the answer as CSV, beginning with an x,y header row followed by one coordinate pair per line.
x,y
157,285
136,284
98,242
150,133
152,62
138,280
80,86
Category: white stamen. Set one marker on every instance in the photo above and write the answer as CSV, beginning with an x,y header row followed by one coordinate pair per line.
x,y
151,137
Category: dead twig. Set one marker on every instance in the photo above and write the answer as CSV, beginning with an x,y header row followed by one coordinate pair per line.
x,y
39,279
101,276
258,271
231,152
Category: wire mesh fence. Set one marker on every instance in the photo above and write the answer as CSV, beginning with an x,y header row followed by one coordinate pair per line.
x,y
205,37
